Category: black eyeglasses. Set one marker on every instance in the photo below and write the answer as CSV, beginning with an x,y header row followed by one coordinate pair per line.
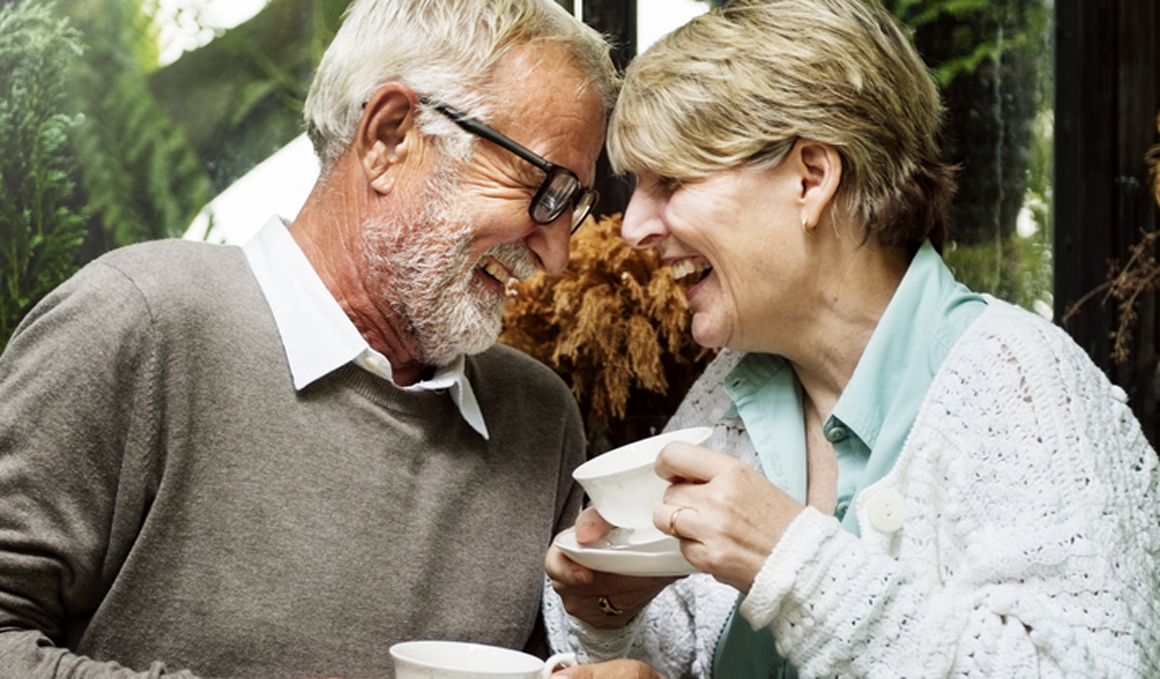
x,y
561,188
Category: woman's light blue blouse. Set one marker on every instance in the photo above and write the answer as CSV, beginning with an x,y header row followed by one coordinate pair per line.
x,y
926,316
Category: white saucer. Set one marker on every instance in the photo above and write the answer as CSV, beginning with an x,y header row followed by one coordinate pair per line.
x,y
616,554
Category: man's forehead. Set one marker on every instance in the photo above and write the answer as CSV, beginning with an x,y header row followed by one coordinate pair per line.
x,y
545,80
547,103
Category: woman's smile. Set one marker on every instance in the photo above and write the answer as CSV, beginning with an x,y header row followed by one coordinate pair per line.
x,y
691,272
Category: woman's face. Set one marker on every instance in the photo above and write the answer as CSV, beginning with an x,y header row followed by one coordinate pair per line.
x,y
735,239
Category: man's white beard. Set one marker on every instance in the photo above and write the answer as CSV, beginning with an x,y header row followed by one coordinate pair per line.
x,y
419,260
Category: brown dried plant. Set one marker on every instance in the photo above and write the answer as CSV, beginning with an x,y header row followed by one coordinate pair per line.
x,y
613,324
1152,158
1139,275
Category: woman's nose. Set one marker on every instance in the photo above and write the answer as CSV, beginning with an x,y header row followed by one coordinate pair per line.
x,y
642,226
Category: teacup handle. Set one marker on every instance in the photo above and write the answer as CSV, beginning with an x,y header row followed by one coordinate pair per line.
x,y
550,665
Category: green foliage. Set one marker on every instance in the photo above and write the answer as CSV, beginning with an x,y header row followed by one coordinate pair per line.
x,y
239,98
133,169
1017,269
277,81
992,62
141,178
40,234
982,30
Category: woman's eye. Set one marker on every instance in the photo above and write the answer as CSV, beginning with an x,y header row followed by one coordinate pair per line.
x,y
662,186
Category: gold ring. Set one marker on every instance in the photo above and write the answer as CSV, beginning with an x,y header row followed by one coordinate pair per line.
x,y
673,523
606,606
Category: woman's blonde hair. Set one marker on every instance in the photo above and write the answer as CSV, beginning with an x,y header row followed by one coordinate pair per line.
x,y
739,85
446,49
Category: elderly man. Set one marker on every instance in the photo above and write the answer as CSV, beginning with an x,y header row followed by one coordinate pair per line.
x,y
278,460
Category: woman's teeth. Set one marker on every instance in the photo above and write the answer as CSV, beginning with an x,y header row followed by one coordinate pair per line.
x,y
688,267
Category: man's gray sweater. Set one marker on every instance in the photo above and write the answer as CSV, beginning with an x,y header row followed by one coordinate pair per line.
x,y
170,504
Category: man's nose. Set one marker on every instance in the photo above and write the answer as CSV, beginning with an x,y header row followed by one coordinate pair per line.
x,y
551,243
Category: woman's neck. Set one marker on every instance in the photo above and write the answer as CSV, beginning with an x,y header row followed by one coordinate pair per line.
x,y
851,301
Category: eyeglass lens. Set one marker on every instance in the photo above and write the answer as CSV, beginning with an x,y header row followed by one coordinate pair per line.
x,y
561,187
561,190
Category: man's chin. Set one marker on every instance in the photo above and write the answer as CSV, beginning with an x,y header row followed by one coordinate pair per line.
x,y
473,336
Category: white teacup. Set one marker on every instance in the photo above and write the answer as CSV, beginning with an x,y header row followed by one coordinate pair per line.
x,y
623,484
459,660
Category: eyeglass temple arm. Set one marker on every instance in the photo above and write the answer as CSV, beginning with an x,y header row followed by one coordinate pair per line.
x,y
478,128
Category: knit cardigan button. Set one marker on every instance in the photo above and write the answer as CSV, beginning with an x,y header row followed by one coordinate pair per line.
x,y
886,509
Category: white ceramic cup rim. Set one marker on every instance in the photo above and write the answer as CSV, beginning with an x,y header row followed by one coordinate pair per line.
x,y
607,464
433,655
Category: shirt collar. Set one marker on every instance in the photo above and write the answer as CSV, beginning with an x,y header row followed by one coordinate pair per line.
x,y
317,335
926,316
768,399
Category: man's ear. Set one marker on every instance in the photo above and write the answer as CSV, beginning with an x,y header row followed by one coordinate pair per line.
x,y
387,134
820,171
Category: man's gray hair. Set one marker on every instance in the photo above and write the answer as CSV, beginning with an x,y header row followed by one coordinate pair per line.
x,y
445,49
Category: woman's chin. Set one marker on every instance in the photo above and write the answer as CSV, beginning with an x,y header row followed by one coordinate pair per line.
x,y
706,333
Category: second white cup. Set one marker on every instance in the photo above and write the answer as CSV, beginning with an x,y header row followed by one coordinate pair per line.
x,y
461,660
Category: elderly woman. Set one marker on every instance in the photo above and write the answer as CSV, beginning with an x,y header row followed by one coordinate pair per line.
x,y
940,483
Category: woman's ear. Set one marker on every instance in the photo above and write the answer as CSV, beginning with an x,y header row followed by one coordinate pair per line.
x,y
387,134
820,169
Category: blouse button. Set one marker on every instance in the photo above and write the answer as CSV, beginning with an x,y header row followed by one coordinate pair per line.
x,y
886,509
841,508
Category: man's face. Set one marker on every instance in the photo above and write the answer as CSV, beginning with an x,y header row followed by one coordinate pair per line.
x,y
446,251
423,254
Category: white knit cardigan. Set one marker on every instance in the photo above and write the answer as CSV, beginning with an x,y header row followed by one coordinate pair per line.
x,y
1029,547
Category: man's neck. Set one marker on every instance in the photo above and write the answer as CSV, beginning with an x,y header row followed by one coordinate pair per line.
x,y
327,231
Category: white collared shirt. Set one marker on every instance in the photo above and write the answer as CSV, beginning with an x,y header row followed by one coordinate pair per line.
x,y
317,335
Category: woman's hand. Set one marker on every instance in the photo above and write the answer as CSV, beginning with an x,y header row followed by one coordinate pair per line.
x,y
581,589
612,669
727,515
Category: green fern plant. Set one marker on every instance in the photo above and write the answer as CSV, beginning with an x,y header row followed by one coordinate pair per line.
x,y
40,234
141,178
